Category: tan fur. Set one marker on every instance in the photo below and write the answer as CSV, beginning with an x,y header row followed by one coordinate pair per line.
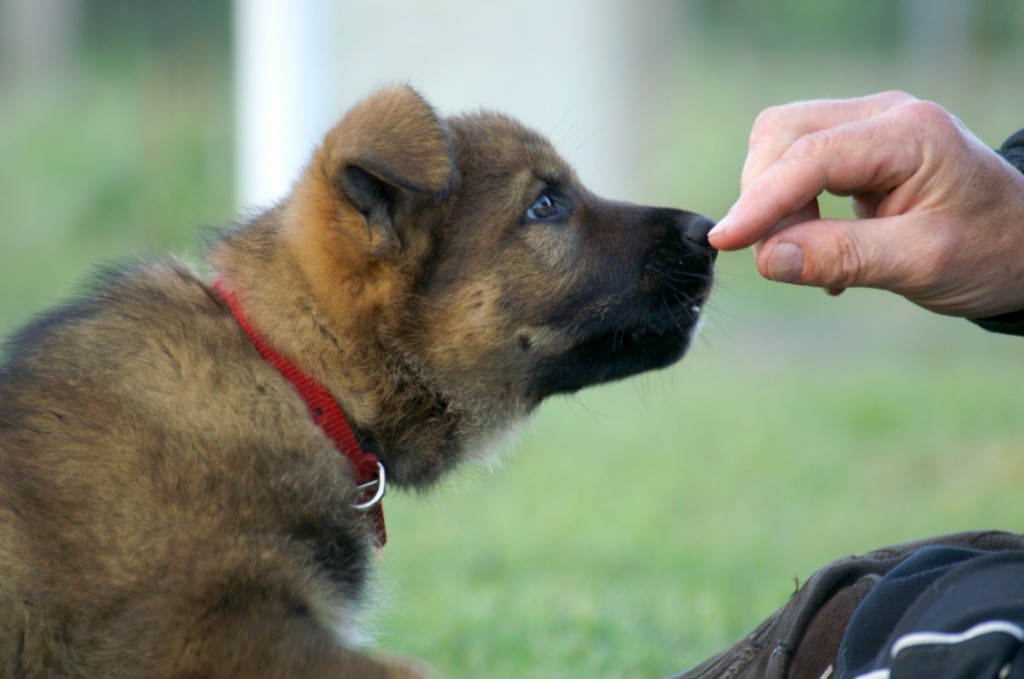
x,y
167,506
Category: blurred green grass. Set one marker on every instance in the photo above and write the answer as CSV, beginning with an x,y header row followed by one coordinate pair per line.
x,y
639,527
122,160
643,526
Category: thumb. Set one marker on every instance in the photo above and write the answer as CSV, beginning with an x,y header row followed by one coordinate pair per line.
x,y
832,254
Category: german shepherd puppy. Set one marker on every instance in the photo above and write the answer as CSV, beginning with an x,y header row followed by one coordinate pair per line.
x,y
180,494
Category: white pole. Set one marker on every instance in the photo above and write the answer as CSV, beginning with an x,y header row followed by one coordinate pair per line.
x,y
569,68
283,97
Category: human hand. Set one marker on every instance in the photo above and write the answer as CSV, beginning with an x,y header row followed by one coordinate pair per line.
x,y
940,216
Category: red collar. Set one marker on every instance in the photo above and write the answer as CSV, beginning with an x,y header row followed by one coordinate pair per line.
x,y
324,410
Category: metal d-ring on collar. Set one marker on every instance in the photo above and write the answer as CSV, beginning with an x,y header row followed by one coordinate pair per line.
x,y
380,483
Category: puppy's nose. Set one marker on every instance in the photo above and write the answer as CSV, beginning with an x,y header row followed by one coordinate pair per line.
x,y
696,229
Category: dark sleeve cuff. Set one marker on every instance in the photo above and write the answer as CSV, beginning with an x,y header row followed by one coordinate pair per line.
x,y
1012,323
1012,150
1006,324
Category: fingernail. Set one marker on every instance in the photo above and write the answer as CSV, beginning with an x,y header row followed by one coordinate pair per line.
x,y
786,263
720,228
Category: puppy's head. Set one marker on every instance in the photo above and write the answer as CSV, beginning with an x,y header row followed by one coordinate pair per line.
x,y
470,255
540,287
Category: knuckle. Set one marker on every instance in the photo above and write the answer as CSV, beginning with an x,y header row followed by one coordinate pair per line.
x,y
927,115
895,98
812,145
845,262
767,123
849,265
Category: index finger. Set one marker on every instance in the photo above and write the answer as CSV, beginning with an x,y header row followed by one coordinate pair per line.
x,y
779,127
875,155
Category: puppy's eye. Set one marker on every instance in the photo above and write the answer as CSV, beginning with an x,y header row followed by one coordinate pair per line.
x,y
545,209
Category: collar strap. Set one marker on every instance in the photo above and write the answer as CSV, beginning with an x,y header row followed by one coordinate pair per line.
x,y
370,478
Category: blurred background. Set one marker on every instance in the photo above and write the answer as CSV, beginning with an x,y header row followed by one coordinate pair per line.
x,y
640,527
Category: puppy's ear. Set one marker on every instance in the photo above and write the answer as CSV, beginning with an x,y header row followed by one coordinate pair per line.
x,y
390,145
